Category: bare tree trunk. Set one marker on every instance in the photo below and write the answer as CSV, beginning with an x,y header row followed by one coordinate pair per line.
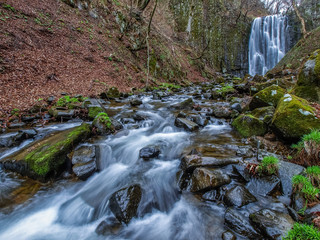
x,y
303,24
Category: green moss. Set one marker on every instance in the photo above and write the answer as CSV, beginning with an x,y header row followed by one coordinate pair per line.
x,y
310,93
265,114
104,119
65,101
294,117
303,232
45,157
93,111
269,165
113,92
248,125
267,97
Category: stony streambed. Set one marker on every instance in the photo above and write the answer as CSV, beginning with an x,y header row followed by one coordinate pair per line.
x,y
175,170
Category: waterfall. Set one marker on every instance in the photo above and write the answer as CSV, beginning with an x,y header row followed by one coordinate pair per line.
x,y
269,41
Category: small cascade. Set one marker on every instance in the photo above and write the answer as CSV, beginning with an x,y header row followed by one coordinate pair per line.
x,y
269,42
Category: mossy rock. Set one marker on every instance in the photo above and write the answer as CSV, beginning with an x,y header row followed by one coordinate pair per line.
x,y
93,111
265,114
45,158
281,82
308,84
113,93
103,124
249,125
267,97
310,93
294,117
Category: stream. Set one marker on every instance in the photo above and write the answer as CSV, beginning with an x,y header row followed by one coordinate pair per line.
x,y
73,209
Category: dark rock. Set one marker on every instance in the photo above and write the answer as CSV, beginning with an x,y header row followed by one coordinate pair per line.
x,y
273,224
125,202
210,195
238,196
139,116
198,119
51,99
116,124
264,186
286,171
84,161
61,114
16,125
186,124
295,216
8,140
28,119
109,226
240,224
25,134
228,236
241,172
298,202
237,107
185,105
204,179
222,112
190,162
135,102
149,152
127,120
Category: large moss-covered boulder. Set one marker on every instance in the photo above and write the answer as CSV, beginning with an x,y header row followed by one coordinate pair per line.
x,y
294,117
308,84
103,124
93,111
44,158
248,125
267,97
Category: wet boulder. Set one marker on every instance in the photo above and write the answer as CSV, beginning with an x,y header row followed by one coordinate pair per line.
x,y
270,96
185,105
45,158
135,102
227,235
84,161
265,185
204,179
25,134
112,93
190,162
238,196
240,224
149,152
103,124
198,119
286,171
109,226
308,84
222,112
186,124
125,202
294,117
273,224
248,125
8,140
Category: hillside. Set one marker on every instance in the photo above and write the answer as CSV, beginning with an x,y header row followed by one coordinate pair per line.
x,y
51,47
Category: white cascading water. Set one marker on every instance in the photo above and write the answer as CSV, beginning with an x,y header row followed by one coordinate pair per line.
x,y
268,43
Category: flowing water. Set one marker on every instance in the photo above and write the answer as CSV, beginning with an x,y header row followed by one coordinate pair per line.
x,y
269,42
70,209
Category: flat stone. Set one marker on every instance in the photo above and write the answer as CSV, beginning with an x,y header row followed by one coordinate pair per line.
x,y
186,124
190,162
16,125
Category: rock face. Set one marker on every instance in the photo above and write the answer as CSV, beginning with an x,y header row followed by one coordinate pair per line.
x,y
44,158
149,152
248,125
186,124
204,179
264,185
84,161
240,224
294,117
273,224
238,196
125,202
308,84
270,96
286,171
